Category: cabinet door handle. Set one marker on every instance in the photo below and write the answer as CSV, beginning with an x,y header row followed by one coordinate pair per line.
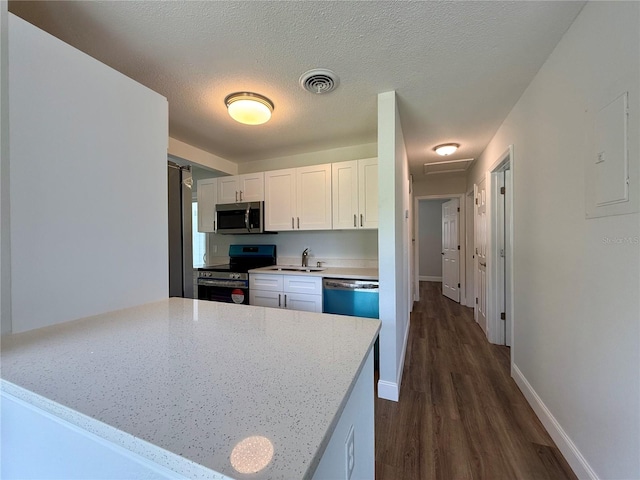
x,y
292,224
355,222
236,196
279,303
285,300
240,195
361,224
298,229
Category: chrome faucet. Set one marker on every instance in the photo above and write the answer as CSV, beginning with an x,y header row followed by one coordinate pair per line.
x,y
305,257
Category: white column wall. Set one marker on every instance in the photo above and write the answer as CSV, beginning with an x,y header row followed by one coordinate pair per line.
x,y
88,184
393,243
5,213
577,281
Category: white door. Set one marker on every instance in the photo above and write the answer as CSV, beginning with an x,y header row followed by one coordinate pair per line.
x,y
480,309
507,248
228,190
368,193
450,251
280,200
313,197
251,187
344,192
206,193
303,302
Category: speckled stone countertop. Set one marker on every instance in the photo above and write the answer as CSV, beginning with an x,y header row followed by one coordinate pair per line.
x,y
197,378
354,273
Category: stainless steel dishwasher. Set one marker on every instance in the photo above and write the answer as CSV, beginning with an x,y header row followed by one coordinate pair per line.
x,y
358,298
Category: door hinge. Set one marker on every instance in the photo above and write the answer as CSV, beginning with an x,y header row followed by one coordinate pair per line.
x,y
458,208
502,190
458,285
458,247
476,201
476,300
503,316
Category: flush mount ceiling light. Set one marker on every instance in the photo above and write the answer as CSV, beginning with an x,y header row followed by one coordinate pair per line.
x,y
446,148
249,108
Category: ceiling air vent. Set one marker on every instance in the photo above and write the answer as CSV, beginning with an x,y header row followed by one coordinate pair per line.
x,y
319,80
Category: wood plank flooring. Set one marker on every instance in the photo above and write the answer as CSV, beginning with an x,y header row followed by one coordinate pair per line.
x,y
460,414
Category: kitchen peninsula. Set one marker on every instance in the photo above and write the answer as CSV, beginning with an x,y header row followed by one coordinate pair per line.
x,y
208,389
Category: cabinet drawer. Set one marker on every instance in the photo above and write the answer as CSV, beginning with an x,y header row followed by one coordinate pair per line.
x,y
303,284
265,281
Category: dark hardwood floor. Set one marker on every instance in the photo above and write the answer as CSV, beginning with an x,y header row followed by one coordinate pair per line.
x,y
460,414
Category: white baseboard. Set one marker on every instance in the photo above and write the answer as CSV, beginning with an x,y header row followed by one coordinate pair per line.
x,y
388,390
429,278
391,390
566,446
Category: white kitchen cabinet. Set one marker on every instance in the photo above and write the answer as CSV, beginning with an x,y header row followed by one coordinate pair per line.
x,y
206,192
355,194
298,198
280,200
313,197
293,292
241,188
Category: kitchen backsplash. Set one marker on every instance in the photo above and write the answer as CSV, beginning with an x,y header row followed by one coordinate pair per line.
x,y
335,248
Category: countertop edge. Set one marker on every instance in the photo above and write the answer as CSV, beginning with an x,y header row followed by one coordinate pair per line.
x,y
315,461
153,453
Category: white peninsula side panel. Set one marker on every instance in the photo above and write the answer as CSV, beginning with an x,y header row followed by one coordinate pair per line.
x,y
88,182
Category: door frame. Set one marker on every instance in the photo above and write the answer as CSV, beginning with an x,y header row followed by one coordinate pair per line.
x,y
469,239
496,330
461,239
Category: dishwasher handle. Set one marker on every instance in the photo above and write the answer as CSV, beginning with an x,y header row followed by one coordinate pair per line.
x,y
336,284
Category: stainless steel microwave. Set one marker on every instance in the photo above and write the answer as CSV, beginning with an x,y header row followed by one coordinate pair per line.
x,y
239,218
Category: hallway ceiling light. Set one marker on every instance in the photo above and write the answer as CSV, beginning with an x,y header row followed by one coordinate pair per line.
x,y
446,148
249,108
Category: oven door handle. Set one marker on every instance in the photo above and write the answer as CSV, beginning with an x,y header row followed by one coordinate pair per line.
x,y
223,283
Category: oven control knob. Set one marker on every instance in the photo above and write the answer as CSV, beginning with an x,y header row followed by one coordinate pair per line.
x,y
209,274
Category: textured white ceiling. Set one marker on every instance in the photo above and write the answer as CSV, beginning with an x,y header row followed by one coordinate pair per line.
x,y
457,67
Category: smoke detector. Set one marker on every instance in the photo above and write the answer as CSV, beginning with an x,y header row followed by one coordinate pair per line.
x,y
319,80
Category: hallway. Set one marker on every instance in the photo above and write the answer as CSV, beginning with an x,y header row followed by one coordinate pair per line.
x,y
460,415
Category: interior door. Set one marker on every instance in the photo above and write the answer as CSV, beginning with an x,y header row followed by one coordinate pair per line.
x,y
507,247
480,309
450,250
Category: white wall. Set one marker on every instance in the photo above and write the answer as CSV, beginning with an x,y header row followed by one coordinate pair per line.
x,y
393,241
192,154
439,184
577,281
342,154
334,247
5,212
88,184
430,237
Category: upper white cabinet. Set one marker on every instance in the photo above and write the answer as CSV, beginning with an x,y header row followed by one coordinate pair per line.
x,y
298,198
280,200
206,192
241,188
355,194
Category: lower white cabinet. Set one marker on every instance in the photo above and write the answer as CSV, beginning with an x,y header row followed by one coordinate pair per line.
x,y
293,292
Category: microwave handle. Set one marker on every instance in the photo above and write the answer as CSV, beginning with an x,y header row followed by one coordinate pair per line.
x,y
246,218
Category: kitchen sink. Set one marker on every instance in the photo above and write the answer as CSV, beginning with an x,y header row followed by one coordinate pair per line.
x,y
294,268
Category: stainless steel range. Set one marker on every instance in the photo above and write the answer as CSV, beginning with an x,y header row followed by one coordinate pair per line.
x,y
230,283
